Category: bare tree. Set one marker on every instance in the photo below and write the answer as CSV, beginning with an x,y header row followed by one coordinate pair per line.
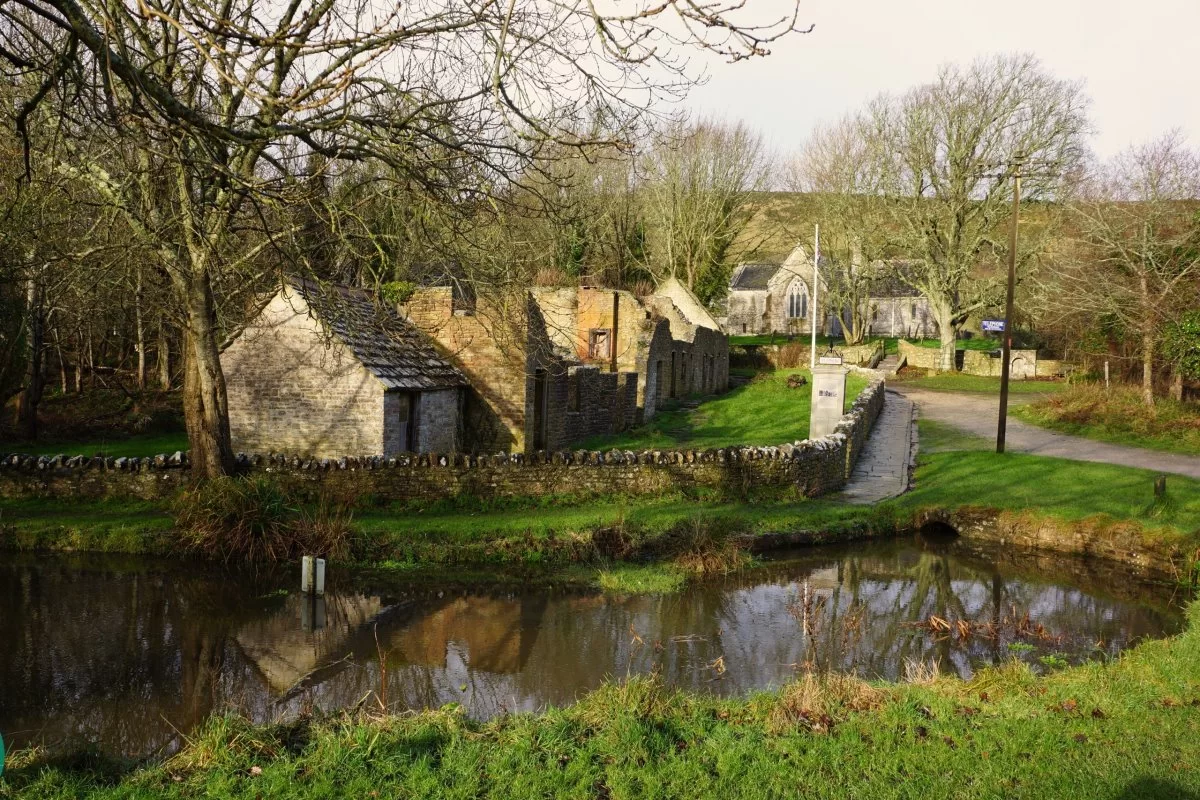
x,y
1137,257
943,152
222,103
838,168
699,179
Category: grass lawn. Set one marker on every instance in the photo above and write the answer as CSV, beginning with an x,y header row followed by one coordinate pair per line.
x,y
763,412
1118,416
747,340
1127,728
982,343
136,446
938,437
958,382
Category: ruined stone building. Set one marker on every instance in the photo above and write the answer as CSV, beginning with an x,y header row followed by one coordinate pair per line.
x,y
326,372
769,298
550,367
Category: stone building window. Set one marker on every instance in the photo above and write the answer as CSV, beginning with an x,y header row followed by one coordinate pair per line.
x,y
797,301
658,378
600,343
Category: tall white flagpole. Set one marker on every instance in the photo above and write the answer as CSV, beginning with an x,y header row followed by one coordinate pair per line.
x,y
816,283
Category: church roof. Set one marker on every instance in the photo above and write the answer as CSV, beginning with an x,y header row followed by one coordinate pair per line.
x,y
753,277
389,346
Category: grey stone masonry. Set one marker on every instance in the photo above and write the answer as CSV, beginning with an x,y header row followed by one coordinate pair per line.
x,y
811,467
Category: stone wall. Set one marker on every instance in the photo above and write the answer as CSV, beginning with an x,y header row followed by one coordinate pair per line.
x,y
905,317
811,467
1024,364
438,421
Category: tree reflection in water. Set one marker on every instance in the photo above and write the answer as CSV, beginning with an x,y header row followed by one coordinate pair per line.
x,y
121,653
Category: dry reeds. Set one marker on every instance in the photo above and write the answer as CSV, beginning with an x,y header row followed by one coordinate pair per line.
x,y
253,519
818,702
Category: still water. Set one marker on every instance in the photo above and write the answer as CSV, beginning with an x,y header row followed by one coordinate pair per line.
x,y
126,654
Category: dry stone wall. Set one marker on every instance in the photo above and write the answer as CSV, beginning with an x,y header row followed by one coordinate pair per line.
x,y
812,467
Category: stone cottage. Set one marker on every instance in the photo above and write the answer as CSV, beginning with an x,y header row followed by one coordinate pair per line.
x,y
326,371
553,366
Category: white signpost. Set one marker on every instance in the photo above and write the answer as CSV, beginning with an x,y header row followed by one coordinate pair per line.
x,y
828,396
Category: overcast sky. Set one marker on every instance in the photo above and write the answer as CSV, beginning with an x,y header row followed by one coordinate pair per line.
x,y
1140,60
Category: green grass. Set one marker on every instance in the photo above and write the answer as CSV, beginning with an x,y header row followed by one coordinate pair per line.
x,y
1067,490
763,412
115,526
1126,728
748,340
1118,416
641,578
976,343
938,437
979,384
137,446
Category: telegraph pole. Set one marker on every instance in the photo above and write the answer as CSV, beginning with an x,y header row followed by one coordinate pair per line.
x,y
1018,161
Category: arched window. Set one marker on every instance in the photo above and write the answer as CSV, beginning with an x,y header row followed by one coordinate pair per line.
x,y
797,301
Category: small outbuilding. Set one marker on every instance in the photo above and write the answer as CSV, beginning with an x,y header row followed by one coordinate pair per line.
x,y
327,371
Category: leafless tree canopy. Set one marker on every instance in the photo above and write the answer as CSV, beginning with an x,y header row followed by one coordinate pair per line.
x,y
203,125
1135,257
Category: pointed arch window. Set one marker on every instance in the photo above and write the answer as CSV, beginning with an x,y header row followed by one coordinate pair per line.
x,y
797,301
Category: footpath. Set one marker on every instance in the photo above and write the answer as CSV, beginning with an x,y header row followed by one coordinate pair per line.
x,y
974,413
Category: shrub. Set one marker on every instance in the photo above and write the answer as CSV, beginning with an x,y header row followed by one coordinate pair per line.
x,y
254,519
704,546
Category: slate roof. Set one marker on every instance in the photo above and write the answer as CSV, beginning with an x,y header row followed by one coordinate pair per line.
x,y
751,277
389,346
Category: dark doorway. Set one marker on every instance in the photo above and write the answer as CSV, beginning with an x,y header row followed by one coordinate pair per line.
x,y
539,409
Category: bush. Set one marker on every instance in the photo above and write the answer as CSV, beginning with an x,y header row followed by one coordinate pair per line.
x,y
704,546
253,519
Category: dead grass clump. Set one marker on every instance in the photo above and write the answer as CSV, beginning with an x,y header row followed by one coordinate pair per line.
x,y
818,702
254,519
921,672
703,547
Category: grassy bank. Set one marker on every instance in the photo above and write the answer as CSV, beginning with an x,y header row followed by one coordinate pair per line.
x,y
592,538
1118,416
1128,728
978,384
763,412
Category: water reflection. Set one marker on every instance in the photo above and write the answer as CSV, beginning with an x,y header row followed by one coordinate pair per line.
x,y
126,654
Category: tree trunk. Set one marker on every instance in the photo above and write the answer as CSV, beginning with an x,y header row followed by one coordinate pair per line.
x,y
1177,386
141,332
1148,365
205,408
78,362
164,357
1148,334
944,318
31,394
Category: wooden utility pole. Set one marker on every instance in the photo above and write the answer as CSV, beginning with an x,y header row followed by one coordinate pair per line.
x,y
1018,161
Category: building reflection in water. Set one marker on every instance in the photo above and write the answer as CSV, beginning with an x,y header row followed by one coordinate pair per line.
x,y
122,654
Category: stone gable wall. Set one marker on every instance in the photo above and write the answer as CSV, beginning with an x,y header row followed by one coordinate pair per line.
x,y
812,467
292,387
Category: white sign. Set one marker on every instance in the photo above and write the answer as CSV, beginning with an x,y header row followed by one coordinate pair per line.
x,y
830,360
993,326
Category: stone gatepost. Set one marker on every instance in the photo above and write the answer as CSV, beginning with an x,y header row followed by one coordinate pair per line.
x,y
828,397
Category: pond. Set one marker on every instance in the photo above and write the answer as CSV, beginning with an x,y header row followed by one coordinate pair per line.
x,y
127,654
